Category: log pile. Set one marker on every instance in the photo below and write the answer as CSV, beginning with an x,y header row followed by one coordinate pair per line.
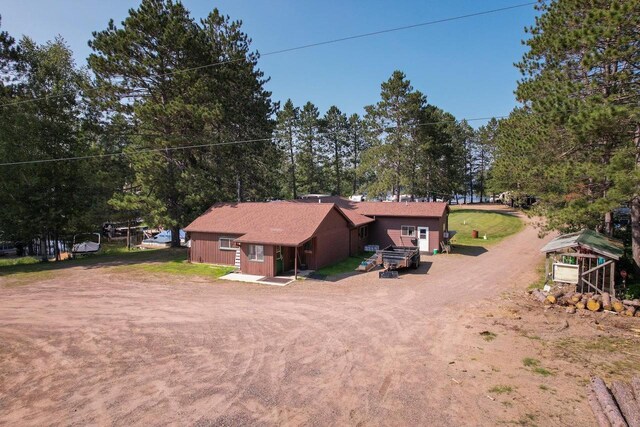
x,y
577,302
617,406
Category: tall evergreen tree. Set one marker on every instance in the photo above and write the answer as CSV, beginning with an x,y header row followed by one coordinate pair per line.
x,y
286,134
334,141
46,120
442,154
392,135
156,71
581,91
356,145
485,143
309,159
245,109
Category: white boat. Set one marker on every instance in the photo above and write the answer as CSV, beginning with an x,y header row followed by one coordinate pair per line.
x,y
163,240
85,247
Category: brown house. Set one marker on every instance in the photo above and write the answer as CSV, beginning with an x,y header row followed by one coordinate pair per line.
x,y
267,239
401,224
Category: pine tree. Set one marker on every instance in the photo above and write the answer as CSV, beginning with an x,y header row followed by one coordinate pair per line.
x,y
309,160
441,158
485,143
580,93
392,124
46,119
356,145
334,141
286,134
156,70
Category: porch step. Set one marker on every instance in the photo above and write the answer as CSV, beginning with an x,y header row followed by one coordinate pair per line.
x,y
237,264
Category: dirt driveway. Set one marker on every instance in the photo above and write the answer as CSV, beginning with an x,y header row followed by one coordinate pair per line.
x,y
103,346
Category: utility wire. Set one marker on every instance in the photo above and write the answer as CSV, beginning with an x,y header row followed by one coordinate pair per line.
x,y
125,153
186,147
307,46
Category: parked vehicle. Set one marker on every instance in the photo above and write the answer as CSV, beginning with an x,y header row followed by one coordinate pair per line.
x,y
83,246
7,249
396,257
163,240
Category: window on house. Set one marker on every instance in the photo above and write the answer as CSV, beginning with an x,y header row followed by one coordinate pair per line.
x,y
363,231
408,231
308,247
226,243
256,253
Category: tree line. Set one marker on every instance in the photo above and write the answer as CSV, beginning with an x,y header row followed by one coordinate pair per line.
x,y
575,141
402,145
171,115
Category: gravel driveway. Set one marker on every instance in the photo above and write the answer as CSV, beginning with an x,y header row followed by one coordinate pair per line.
x,y
101,346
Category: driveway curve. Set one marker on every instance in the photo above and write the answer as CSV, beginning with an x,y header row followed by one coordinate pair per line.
x,y
105,347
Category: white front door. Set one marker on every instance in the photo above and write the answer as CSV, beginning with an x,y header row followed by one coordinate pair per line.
x,y
423,239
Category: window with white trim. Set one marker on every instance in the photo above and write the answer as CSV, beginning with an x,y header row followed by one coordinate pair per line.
x,y
363,231
226,244
256,253
408,231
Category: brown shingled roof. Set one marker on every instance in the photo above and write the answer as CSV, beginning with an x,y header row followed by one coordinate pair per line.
x,y
371,209
408,209
354,217
276,223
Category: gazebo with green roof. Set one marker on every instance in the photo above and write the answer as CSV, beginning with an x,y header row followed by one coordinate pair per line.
x,y
586,259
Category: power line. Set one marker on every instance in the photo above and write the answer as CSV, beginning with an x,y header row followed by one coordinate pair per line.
x,y
454,120
185,147
124,153
307,46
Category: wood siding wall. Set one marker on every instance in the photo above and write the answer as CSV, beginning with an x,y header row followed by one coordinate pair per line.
x,y
265,268
353,242
288,254
385,231
331,241
356,243
205,248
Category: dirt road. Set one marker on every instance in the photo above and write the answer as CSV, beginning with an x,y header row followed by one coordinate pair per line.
x,y
102,346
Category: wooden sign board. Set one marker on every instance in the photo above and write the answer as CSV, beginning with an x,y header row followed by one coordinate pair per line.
x,y
565,273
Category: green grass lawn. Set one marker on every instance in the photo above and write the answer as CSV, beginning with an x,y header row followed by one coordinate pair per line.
x,y
9,262
345,266
170,261
495,225
182,267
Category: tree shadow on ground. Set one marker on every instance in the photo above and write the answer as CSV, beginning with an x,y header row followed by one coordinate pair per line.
x,y
98,261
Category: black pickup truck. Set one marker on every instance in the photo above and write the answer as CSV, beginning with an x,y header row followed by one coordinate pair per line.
x,y
396,257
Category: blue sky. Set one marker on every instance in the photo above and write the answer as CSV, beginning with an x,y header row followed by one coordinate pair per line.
x,y
465,66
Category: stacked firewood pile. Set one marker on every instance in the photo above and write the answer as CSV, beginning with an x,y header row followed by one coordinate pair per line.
x,y
576,301
618,406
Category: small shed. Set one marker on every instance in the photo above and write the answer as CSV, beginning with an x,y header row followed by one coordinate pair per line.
x,y
586,259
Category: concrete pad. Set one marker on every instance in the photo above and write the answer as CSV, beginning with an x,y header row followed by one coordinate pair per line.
x,y
252,278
